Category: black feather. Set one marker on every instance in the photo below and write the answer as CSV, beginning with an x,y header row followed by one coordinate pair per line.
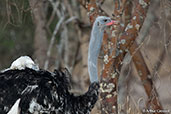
x,y
49,92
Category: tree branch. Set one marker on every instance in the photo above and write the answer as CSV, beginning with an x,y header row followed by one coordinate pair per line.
x,y
52,41
54,33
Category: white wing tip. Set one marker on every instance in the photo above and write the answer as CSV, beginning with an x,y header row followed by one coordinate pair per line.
x,y
15,108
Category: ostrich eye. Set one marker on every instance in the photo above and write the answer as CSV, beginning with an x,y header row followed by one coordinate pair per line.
x,y
105,20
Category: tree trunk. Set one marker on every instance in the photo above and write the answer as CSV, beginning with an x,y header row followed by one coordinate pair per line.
x,y
40,38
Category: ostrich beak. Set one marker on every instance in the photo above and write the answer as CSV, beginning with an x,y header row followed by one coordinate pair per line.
x,y
111,23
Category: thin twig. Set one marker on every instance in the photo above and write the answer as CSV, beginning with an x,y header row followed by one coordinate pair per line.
x,y
71,19
52,41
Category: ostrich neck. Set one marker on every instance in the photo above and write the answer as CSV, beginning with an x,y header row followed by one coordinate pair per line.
x,y
93,52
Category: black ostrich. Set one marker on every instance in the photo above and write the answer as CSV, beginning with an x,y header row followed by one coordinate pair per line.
x,y
24,89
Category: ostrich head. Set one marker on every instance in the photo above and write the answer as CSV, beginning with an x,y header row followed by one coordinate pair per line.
x,y
97,32
102,22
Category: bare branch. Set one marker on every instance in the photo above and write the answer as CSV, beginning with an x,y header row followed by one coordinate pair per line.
x,y
146,78
52,41
54,33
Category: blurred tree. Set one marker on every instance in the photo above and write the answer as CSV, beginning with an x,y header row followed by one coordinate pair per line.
x,y
38,9
16,31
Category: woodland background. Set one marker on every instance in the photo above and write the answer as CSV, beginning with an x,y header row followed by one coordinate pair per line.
x,y
55,33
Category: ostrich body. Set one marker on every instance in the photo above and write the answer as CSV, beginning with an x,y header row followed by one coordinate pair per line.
x,y
43,92
24,89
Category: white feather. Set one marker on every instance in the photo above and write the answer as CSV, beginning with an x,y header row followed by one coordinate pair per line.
x,y
15,108
23,62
